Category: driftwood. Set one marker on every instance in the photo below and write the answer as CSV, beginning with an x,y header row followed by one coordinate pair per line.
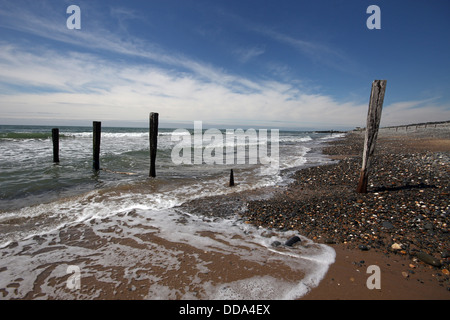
x,y
373,123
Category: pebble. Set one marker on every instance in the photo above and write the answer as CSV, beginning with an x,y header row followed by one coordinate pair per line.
x,y
276,244
428,259
363,247
387,225
292,241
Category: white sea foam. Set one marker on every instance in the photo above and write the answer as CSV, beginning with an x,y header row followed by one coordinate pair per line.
x,y
101,252
333,136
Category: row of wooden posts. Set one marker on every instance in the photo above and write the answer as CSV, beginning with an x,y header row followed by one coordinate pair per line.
x,y
412,125
373,123
96,138
97,128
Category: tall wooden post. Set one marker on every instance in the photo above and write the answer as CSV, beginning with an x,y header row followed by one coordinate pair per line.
x,y
153,142
373,123
97,131
55,139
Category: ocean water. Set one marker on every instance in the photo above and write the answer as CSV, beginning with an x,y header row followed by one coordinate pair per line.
x,y
118,225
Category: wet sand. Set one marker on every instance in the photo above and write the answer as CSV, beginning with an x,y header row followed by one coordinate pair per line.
x,y
137,255
401,278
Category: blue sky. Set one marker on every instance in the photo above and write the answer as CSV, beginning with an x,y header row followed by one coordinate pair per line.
x,y
286,64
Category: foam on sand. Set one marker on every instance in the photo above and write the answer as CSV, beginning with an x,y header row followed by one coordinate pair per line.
x,y
144,253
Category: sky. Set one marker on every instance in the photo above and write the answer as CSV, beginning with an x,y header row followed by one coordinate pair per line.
x,y
229,63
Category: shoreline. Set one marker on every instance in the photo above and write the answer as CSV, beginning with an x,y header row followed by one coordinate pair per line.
x,y
404,212
406,206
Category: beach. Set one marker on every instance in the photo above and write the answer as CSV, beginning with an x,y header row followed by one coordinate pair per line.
x,y
232,245
405,212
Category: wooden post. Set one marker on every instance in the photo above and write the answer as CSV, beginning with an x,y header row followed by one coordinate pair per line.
x,y
97,130
231,178
153,141
55,138
373,123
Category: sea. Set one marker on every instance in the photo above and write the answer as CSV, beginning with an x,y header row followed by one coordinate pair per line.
x,y
68,231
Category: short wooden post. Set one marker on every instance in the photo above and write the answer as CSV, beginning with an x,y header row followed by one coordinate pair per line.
x,y
231,178
153,142
373,123
96,134
55,139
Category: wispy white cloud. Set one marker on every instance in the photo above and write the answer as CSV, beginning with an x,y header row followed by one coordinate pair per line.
x,y
248,53
315,51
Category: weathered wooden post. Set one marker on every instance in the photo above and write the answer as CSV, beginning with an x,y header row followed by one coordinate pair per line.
x,y
96,135
153,142
373,123
231,178
55,139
